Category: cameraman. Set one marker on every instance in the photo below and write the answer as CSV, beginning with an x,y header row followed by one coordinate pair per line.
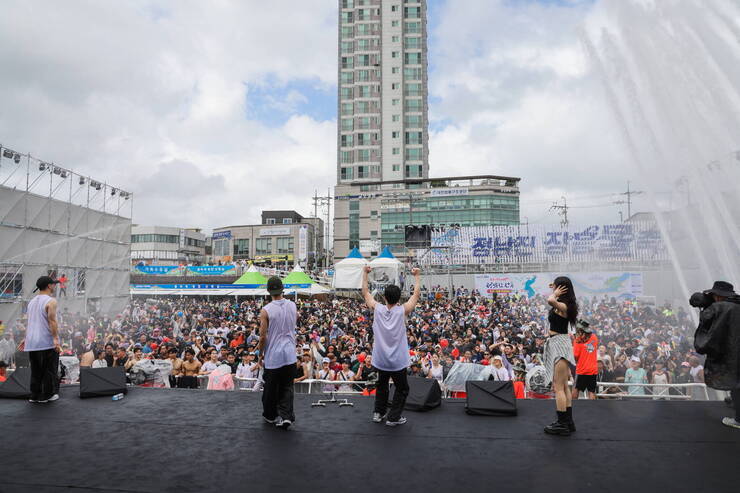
x,y
718,336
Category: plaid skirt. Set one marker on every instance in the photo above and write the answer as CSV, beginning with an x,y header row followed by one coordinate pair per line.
x,y
557,347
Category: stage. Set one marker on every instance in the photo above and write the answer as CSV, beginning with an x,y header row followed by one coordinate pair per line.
x,y
204,441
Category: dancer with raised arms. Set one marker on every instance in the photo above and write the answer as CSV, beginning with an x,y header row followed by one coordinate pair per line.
x,y
391,346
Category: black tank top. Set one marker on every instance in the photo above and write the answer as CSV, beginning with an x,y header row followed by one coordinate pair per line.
x,y
557,323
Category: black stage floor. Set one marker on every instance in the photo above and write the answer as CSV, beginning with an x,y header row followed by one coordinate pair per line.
x,y
206,441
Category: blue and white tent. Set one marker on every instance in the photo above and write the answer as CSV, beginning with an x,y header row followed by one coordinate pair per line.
x,y
348,271
386,268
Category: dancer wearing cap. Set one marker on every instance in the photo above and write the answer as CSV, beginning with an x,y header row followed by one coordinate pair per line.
x,y
42,342
585,351
277,352
391,346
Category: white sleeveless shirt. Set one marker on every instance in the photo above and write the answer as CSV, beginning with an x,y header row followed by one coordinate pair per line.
x,y
390,344
38,334
280,345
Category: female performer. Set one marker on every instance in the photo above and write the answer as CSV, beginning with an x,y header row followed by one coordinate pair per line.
x,y
558,352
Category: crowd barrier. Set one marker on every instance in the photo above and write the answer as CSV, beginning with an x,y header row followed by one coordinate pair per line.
x,y
662,388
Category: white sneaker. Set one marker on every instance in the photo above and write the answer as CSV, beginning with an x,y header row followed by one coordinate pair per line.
x,y
283,423
53,398
731,422
32,400
377,417
400,421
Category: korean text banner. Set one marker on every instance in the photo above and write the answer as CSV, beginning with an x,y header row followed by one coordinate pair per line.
x,y
621,285
536,243
212,270
164,270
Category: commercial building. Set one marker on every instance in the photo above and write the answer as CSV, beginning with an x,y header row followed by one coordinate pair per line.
x,y
283,237
368,216
383,182
164,245
383,114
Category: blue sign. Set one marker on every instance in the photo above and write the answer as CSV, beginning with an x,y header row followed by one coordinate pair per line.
x,y
221,234
156,269
195,286
211,270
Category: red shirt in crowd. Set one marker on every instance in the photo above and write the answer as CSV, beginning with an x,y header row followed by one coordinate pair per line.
x,y
586,356
518,389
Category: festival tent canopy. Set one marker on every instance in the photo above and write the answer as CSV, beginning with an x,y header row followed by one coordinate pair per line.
x,y
298,278
386,268
348,271
252,278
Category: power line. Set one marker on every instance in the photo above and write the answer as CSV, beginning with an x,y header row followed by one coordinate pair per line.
x,y
562,211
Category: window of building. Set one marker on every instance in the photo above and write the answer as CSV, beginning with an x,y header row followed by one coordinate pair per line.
x,y
263,246
348,124
347,140
347,17
412,42
395,39
287,220
346,93
241,247
373,234
396,118
394,54
412,58
413,89
374,214
363,156
346,157
347,47
394,86
347,77
396,167
348,4
347,31
394,70
348,62
413,154
413,105
395,134
411,73
354,205
413,121
413,27
347,109
152,238
394,23
394,8
346,174
412,12
363,60
395,102
285,244
270,220
413,138
396,150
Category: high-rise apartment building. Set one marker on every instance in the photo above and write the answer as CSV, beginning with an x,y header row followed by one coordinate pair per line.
x,y
383,114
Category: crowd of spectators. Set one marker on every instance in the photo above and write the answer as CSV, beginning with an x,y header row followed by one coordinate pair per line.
x,y
638,343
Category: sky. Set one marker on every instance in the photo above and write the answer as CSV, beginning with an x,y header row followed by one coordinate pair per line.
x,y
210,112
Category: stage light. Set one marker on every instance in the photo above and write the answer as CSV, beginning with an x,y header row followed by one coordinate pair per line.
x,y
42,166
64,174
82,180
17,158
112,191
8,153
57,171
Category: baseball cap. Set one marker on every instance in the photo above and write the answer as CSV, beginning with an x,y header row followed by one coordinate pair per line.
x,y
686,364
325,360
274,285
635,358
305,347
43,283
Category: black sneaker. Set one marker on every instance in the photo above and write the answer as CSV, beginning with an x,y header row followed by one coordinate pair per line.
x,y
557,428
270,421
400,422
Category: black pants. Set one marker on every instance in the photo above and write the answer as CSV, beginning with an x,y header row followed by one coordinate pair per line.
x,y
44,368
400,380
736,402
190,382
277,398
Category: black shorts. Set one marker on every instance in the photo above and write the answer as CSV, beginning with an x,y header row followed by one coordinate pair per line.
x,y
586,382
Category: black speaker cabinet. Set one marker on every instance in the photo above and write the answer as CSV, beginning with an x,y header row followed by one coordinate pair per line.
x,y
98,382
424,394
490,398
18,385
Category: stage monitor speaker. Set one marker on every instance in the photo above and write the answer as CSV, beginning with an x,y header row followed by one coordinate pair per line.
x,y
18,385
490,398
424,394
98,382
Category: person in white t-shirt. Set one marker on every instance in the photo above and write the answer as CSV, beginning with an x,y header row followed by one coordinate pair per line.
x,y
100,361
211,364
391,346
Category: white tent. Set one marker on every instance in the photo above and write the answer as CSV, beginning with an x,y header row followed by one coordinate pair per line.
x,y
386,269
348,271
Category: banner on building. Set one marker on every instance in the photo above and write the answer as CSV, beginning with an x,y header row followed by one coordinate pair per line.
x,y
302,243
369,246
525,244
622,285
221,235
281,231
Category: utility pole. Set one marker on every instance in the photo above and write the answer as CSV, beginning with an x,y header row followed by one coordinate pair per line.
x,y
323,201
629,195
562,211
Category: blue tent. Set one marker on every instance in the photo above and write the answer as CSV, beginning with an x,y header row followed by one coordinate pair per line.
x,y
386,253
355,253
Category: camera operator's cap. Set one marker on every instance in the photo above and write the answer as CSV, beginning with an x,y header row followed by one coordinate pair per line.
x,y
274,286
43,283
721,288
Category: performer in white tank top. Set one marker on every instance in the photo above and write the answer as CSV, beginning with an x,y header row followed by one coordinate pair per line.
x,y
390,347
277,353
